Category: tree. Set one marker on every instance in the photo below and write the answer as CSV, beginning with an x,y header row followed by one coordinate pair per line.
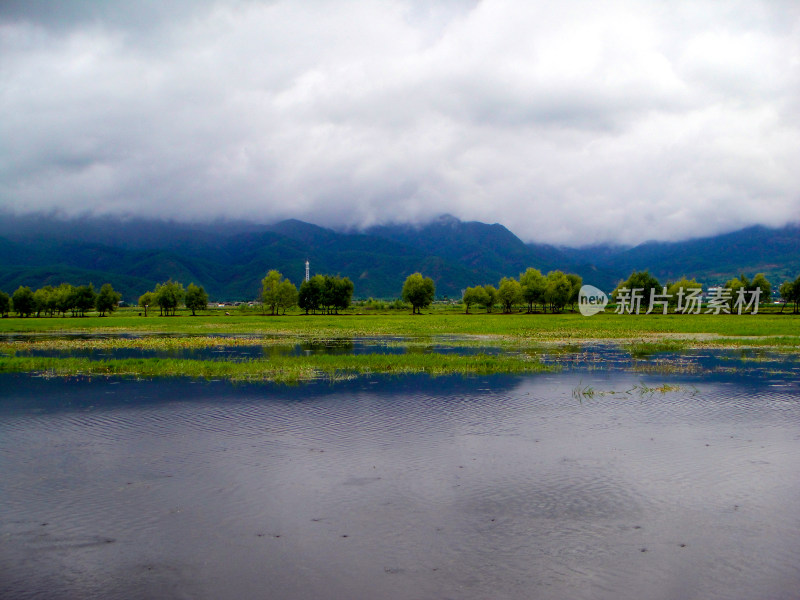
x,y
558,291
310,295
576,281
146,300
169,295
107,299
271,290
640,280
337,293
685,284
489,298
509,293
65,298
418,291
533,285
44,300
23,301
5,304
734,285
287,295
762,283
474,295
85,298
196,298
790,292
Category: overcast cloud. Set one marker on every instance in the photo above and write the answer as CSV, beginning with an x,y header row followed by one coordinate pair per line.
x,y
569,122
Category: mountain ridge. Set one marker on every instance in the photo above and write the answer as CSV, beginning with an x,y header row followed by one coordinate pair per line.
x,y
230,258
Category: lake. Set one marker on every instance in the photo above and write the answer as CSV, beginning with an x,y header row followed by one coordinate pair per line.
x,y
600,481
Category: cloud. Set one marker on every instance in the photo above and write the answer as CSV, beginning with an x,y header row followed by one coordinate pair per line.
x,y
570,123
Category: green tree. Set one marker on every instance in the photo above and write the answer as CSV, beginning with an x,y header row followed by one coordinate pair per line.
x,y
169,296
337,293
558,291
576,281
790,293
147,300
310,295
85,298
23,301
196,298
107,299
734,285
44,301
684,284
65,298
287,295
5,304
761,282
474,295
490,298
533,286
271,290
509,293
643,281
418,291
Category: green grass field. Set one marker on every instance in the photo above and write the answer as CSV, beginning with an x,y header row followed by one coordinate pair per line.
x,y
781,329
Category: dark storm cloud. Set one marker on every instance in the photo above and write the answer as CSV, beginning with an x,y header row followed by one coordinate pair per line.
x,y
570,123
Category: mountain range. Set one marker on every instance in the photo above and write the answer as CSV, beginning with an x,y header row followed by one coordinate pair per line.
x,y
230,258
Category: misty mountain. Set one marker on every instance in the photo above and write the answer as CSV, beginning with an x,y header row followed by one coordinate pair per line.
x,y
230,258
711,260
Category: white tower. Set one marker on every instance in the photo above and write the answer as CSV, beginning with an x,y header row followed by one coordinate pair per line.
x,y
306,269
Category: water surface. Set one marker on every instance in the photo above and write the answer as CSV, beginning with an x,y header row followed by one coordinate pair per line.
x,y
412,487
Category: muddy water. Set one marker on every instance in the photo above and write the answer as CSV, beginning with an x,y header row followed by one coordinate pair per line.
x,y
581,484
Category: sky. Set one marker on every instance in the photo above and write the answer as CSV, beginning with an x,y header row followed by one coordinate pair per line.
x,y
571,123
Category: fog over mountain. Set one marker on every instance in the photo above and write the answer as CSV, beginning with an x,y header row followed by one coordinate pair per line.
x,y
573,123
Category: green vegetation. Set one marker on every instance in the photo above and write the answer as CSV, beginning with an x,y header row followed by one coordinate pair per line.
x,y
638,280
277,293
582,392
790,293
169,296
196,298
418,291
442,320
107,299
325,293
5,304
283,369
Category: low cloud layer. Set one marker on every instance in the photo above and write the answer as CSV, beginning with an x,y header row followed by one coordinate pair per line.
x,y
570,123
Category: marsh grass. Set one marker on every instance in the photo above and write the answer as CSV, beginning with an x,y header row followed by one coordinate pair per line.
x,y
643,349
282,369
581,392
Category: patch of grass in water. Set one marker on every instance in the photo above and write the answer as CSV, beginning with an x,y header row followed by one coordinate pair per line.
x,y
582,392
644,349
282,369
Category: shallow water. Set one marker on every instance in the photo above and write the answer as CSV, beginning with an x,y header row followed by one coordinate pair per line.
x,y
501,487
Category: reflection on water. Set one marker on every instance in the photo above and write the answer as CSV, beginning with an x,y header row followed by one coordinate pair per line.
x,y
488,487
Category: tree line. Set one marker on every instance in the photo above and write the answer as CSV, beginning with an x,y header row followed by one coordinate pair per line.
x,y
168,297
789,290
533,290
66,298
329,294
